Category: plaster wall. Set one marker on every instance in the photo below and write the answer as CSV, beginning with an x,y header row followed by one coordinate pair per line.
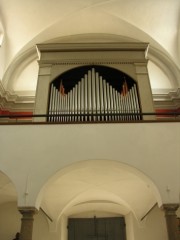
x,y
2,58
31,154
63,226
152,227
41,228
26,81
10,220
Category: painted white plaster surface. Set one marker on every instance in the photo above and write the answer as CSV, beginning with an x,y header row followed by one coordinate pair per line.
x,y
144,153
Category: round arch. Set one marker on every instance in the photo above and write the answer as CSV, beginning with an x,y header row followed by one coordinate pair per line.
x,y
98,181
30,54
111,74
8,192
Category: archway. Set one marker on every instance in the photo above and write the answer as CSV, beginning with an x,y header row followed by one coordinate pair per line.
x,y
98,188
9,214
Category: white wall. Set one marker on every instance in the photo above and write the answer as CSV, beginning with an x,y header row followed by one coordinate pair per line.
x,y
41,150
152,227
3,53
41,228
10,224
10,221
26,81
158,79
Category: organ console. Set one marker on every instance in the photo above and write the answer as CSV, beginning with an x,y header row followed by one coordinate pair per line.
x,y
93,99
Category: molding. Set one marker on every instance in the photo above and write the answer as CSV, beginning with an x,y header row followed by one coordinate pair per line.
x,y
167,99
15,102
163,99
90,61
81,47
28,209
92,53
170,208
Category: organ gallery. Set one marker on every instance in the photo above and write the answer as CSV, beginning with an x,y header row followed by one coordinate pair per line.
x,y
93,82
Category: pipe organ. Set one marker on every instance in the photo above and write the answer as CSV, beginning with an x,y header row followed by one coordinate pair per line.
x,y
93,99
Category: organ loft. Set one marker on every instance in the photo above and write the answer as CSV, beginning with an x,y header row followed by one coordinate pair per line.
x,y
93,82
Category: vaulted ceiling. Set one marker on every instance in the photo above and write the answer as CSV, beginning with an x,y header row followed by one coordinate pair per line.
x,y
89,188
23,24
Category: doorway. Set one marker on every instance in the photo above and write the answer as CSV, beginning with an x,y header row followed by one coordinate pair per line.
x,y
97,228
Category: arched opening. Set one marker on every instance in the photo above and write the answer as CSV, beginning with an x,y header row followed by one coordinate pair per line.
x,y
7,189
93,93
9,214
101,189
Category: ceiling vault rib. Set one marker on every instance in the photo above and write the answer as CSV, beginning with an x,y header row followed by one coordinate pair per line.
x,y
149,211
46,214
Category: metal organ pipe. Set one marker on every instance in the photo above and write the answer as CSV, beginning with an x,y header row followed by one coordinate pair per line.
x,y
97,80
93,94
101,98
93,99
105,100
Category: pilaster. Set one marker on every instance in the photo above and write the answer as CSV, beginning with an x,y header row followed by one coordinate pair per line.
x,y
171,221
145,93
27,222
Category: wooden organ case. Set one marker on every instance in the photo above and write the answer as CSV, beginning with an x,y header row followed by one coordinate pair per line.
x,y
93,82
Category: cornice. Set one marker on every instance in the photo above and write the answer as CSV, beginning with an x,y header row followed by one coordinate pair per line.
x,y
30,211
92,53
81,47
89,62
163,99
169,99
14,102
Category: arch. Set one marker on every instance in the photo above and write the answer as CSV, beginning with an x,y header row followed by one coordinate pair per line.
x,y
112,182
17,65
1,38
1,31
155,55
111,74
27,56
8,192
166,65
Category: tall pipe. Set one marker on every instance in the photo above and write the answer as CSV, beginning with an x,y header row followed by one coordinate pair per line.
x,y
79,100
97,95
93,95
105,100
70,105
51,103
86,95
101,92
89,95
82,99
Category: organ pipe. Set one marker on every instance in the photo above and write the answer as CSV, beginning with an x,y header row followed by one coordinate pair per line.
x,y
93,99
